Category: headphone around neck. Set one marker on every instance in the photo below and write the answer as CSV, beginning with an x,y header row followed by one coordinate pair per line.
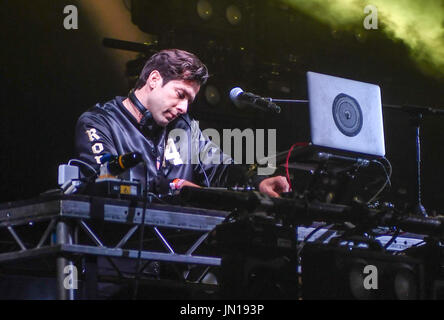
x,y
147,122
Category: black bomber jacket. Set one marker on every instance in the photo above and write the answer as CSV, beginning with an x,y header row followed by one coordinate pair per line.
x,y
169,152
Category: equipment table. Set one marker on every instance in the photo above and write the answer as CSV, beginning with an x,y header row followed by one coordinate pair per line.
x,y
65,227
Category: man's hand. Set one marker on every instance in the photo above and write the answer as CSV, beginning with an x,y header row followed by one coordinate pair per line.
x,y
187,183
178,184
274,186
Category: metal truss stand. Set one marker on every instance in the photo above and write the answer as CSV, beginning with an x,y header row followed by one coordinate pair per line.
x,y
62,227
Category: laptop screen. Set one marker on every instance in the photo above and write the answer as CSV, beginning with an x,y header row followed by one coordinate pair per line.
x,y
345,114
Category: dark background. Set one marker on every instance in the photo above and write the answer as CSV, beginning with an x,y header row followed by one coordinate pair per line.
x,y
50,75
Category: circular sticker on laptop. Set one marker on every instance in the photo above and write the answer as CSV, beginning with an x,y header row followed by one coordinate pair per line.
x,y
347,115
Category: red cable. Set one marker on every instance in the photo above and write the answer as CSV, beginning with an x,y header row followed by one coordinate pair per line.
x,y
297,144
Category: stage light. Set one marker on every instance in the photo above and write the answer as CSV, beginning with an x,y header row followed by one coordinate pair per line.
x,y
361,36
418,24
234,15
212,95
188,24
204,9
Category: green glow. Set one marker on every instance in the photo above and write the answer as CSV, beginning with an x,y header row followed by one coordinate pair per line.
x,y
418,23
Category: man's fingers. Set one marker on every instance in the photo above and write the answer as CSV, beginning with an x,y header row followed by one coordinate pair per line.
x,y
273,194
275,185
281,184
284,184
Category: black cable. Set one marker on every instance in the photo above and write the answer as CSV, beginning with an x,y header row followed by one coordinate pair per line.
x,y
85,180
141,234
85,165
395,235
198,156
303,242
388,175
387,181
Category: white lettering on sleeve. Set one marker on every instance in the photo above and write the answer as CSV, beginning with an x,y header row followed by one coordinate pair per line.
x,y
97,148
92,134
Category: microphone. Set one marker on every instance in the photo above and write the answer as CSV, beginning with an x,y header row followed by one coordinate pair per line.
x,y
119,164
241,98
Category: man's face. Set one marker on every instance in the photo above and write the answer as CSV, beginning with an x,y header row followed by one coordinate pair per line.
x,y
167,102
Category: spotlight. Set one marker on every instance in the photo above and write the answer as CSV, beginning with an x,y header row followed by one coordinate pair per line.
x,y
361,36
188,23
212,95
204,9
234,15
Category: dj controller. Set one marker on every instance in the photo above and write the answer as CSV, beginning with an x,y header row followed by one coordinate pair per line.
x,y
256,246
222,243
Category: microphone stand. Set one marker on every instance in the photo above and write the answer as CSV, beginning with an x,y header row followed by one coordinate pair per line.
x,y
129,45
286,100
417,113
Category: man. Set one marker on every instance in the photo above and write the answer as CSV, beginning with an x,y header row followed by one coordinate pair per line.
x,y
168,84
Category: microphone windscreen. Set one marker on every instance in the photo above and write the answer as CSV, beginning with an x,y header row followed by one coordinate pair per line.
x,y
234,93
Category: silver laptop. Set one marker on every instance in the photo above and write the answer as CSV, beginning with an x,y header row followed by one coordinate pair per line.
x,y
345,114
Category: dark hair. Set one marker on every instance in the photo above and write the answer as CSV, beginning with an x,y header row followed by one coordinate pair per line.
x,y
174,64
